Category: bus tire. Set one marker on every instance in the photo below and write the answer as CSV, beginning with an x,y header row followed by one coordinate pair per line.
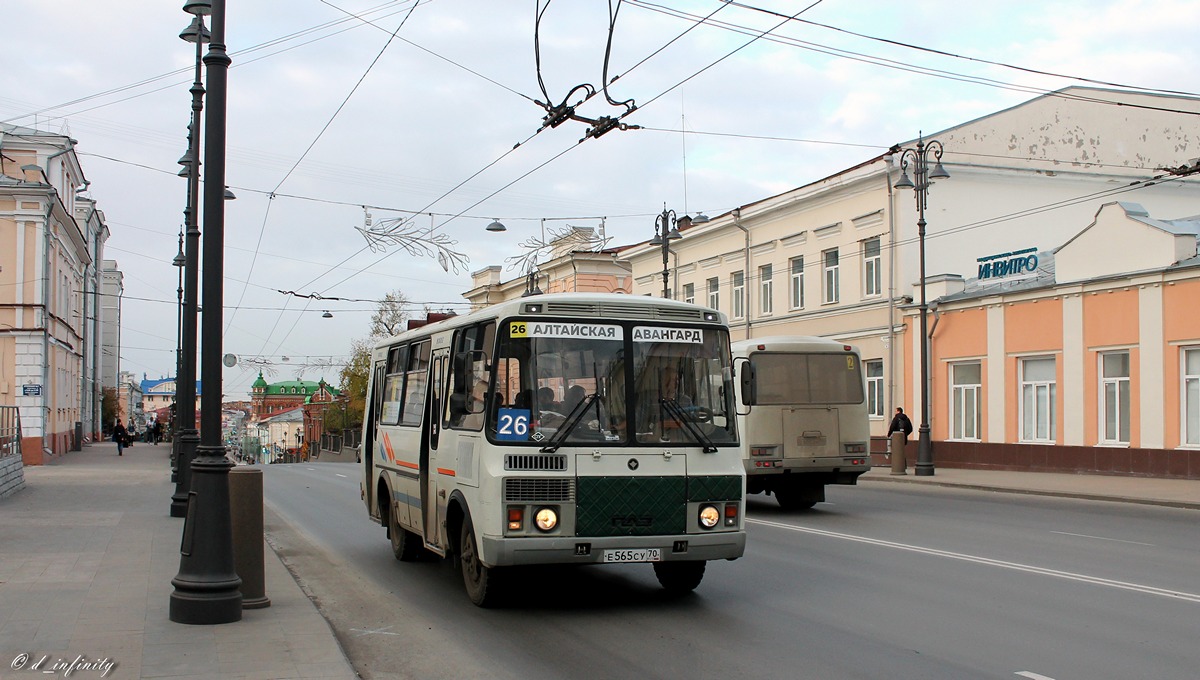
x,y
793,499
406,545
679,577
483,583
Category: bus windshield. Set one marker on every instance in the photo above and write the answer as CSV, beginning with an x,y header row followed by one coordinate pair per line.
x,y
807,378
573,383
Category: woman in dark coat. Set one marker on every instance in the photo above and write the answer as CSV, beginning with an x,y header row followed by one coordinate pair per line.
x,y
121,436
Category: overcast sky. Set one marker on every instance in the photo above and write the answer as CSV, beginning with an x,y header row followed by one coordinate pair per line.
x,y
327,114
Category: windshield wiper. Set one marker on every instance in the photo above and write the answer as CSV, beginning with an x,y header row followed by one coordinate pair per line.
x,y
570,423
676,411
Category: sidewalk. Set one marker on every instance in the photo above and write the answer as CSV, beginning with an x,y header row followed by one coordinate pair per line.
x,y
87,553
1175,493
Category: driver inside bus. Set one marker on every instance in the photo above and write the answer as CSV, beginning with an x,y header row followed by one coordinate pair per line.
x,y
654,414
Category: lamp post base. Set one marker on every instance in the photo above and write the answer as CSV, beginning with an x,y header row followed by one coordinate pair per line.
x,y
924,466
207,587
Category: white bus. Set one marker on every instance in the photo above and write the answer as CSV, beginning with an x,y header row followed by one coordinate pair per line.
x,y
802,416
567,428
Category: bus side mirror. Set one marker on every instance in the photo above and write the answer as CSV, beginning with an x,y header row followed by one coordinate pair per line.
x,y
748,386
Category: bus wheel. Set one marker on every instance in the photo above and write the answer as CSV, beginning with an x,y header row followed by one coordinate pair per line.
x,y
793,499
482,582
406,545
679,577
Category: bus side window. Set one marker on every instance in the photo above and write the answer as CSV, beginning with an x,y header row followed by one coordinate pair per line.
x,y
470,374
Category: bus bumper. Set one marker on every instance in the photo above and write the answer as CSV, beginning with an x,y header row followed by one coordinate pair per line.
x,y
727,545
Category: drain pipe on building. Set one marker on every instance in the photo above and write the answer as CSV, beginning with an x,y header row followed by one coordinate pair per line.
x,y
737,222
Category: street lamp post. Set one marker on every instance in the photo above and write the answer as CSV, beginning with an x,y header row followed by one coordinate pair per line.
x,y
919,159
666,229
180,262
207,587
298,437
186,437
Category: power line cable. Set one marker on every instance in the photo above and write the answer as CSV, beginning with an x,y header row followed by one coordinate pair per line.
x,y
267,212
905,66
960,56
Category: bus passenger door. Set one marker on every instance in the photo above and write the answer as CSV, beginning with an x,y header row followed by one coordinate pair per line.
x,y
367,446
433,504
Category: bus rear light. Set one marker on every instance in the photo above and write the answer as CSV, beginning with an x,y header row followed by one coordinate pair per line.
x,y
516,517
731,514
856,448
762,451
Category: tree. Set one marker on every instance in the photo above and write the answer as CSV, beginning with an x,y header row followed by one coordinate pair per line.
x,y
390,317
108,407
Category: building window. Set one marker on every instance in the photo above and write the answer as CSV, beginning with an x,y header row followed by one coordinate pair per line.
x,y
739,295
714,293
1114,398
766,289
689,293
965,414
873,283
875,388
830,258
797,292
1038,385
1191,396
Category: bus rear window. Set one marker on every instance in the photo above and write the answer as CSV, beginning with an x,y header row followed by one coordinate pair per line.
x,y
785,378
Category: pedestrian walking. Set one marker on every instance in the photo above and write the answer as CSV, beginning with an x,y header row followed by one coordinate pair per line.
x,y
121,436
156,432
898,431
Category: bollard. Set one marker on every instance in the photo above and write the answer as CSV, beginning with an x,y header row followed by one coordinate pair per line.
x,y
898,461
246,511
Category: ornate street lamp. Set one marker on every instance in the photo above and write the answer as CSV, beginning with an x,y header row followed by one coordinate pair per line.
x,y
919,159
666,229
207,587
186,438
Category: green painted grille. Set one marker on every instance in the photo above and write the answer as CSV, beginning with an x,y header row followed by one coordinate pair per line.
x,y
630,506
714,489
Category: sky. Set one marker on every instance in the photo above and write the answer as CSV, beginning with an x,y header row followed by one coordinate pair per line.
x,y
427,111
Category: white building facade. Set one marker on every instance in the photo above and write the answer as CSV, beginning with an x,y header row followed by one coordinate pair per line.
x,y
839,257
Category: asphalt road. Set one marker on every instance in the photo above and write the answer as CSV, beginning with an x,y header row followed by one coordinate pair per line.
x,y
885,581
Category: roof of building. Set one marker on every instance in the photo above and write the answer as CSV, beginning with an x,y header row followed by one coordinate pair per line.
x,y
292,415
163,386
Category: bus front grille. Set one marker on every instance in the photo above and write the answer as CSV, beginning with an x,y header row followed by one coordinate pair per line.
x,y
631,506
538,490
539,462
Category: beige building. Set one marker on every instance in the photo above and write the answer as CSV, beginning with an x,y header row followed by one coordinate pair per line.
x,y
50,242
569,267
839,257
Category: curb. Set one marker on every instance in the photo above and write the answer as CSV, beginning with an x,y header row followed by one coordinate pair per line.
x,y
1161,502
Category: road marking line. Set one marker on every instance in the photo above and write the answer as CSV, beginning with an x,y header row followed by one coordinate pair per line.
x,y
340,475
1083,578
1033,676
375,631
1101,538
308,468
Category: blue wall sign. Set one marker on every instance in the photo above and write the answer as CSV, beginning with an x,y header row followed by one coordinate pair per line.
x,y
1016,264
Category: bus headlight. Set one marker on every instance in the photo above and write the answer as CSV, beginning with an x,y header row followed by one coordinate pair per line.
x,y
546,519
709,516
